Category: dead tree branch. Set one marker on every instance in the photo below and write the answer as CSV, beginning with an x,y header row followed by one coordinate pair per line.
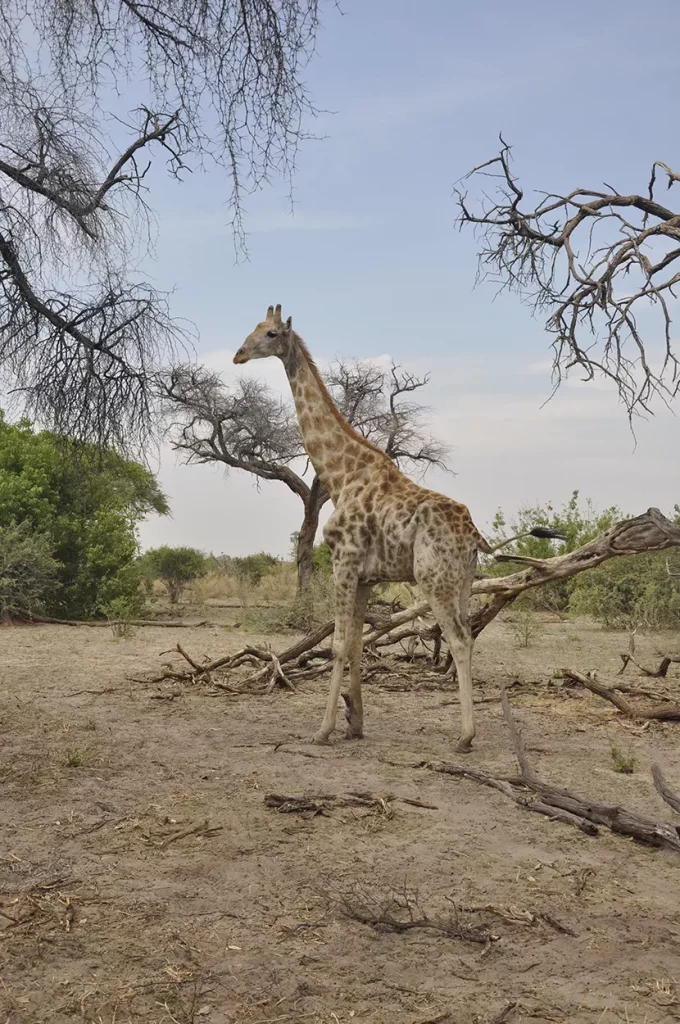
x,y
310,806
668,712
563,805
82,337
594,260
664,790
653,673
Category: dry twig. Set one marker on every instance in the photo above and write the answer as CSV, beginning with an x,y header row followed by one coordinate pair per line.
x,y
399,911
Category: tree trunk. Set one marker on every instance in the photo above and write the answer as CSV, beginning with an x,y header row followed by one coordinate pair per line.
x,y
305,545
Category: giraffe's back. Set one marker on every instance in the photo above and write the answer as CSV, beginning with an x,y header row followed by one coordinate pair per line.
x,y
379,527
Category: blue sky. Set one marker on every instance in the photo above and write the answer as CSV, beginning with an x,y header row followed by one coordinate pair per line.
x,y
371,263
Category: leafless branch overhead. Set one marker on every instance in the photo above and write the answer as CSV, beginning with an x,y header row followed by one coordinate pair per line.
x,y
82,337
605,266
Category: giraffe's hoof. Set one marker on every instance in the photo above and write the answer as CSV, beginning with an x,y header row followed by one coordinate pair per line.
x,y
320,738
354,732
464,747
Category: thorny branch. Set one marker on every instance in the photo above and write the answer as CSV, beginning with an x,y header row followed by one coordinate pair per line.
x,y
600,263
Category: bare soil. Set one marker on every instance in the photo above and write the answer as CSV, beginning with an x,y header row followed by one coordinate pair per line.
x,y
144,879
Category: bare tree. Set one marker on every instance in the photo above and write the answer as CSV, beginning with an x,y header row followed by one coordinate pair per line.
x,y
603,264
82,335
244,426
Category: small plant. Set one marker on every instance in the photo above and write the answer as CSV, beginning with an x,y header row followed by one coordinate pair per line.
x,y
120,616
77,757
624,764
524,625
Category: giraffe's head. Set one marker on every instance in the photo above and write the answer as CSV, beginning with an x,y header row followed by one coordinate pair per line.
x,y
268,339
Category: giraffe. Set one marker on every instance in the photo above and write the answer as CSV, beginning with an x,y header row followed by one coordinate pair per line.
x,y
384,528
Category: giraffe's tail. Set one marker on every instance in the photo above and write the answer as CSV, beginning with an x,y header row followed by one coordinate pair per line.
x,y
538,531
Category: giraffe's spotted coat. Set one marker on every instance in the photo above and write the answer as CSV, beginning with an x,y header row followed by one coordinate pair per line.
x,y
385,528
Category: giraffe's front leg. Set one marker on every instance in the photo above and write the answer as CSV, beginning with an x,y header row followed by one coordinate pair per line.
x,y
345,600
354,711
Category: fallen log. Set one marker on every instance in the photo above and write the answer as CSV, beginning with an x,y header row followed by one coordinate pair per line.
x,y
561,804
667,712
163,623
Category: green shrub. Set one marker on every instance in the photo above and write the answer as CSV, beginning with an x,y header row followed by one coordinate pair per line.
x,y
579,525
86,503
321,559
176,568
624,764
252,568
635,590
27,571
523,623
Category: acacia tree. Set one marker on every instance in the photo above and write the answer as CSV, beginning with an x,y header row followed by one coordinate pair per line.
x,y
605,266
82,335
244,426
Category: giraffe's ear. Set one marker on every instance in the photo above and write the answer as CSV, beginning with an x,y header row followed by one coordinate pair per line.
x,y
289,323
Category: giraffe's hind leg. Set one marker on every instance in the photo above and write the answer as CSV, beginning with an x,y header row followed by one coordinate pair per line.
x,y
444,567
459,638
346,585
354,711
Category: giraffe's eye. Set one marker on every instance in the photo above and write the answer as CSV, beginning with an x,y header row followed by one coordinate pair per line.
x,y
272,334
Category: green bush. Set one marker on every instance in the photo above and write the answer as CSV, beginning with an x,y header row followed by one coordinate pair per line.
x,y
252,568
321,560
176,568
86,503
577,524
623,592
27,571
634,590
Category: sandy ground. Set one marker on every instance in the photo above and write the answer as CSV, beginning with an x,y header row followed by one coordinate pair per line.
x,y
114,910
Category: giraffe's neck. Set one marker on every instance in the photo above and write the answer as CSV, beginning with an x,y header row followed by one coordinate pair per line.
x,y
334,448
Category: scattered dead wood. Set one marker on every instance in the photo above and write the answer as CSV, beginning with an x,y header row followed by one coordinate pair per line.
x,y
654,673
664,790
400,911
324,804
521,917
43,903
203,829
561,804
503,1014
666,712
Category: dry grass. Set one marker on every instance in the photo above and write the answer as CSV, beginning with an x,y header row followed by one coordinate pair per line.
x,y
277,587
